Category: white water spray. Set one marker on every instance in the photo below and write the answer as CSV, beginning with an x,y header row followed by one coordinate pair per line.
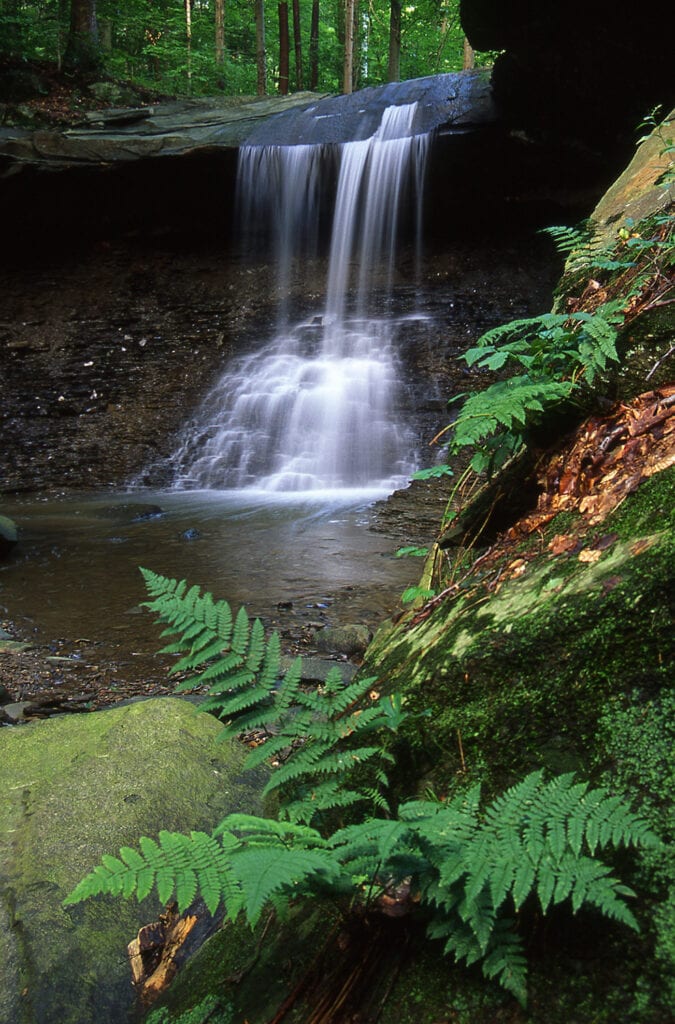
x,y
316,408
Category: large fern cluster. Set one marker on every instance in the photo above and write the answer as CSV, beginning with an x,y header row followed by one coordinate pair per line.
x,y
471,872
468,870
552,356
554,352
323,729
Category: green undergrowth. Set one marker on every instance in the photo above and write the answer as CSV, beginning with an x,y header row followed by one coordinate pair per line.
x,y
520,677
568,666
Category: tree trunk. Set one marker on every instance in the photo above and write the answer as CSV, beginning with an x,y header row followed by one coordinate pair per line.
x,y
82,49
260,51
297,43
314,47
469,58
188,44
394,65
219,14
283,48
347,84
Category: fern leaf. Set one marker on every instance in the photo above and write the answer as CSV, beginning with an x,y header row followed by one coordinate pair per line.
x,y
264,872
459,939
270,668
326,796
479,913
256,829
505,961
546,882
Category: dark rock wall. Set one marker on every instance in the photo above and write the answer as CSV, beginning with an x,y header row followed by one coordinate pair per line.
x,y
104,354
584,71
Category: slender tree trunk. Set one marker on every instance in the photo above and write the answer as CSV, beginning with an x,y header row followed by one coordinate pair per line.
x,y
469,57
260,51
219,13
314,47
283,48
188,44
394,65
297,43
82,49
348,75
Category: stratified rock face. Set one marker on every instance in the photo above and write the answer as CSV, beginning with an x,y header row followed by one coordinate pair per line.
x,y
585,71
71,790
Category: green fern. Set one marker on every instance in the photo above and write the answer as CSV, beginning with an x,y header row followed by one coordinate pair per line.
x,y
555,352
210,1009
322,728
470,870
582,249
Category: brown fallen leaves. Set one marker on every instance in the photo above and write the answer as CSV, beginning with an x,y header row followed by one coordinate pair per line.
x,y
592,473
608,460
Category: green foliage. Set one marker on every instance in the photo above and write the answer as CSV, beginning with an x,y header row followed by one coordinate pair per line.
x,y
553,357
470,870
432,472
323,729
146,41
638,741
412,552
209,1009
582,249
411,594
555,351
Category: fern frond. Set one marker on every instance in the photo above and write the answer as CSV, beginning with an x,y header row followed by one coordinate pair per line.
x,y
508,404
319,759
278,870
505,961
326,796
184,863
568,239
257,830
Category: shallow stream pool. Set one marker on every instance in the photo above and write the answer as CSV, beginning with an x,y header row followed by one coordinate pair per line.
x,y
300,561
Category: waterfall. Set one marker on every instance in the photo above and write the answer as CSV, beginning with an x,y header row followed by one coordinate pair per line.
x,y
316,407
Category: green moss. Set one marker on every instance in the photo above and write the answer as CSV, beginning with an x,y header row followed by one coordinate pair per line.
x,y
78,787
522,676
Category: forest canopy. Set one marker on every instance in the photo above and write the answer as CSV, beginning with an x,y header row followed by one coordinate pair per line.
x,y
200,47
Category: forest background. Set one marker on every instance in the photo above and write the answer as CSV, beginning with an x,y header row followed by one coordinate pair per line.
x,y
202,47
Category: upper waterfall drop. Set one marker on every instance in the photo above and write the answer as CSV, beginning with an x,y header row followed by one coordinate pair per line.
x,y
316,408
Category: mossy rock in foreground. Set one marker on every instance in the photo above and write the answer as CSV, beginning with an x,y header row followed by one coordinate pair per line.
x,y
73,789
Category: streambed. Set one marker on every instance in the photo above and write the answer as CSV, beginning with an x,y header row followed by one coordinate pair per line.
x,y
72,587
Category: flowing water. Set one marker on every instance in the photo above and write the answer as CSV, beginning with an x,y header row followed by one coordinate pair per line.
x,y
317,408
273,486
274,477
75,573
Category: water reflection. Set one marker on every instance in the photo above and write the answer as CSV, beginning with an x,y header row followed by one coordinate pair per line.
x,y
74,574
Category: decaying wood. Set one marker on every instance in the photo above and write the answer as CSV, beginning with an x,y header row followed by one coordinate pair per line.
x,y
160,948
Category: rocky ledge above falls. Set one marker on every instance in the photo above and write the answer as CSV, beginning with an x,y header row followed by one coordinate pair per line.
x,y
123,134
456,102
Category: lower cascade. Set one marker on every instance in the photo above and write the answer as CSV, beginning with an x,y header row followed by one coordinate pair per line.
x,y
316,408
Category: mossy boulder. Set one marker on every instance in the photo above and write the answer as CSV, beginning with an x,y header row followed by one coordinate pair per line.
x,y
8,535
73,789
